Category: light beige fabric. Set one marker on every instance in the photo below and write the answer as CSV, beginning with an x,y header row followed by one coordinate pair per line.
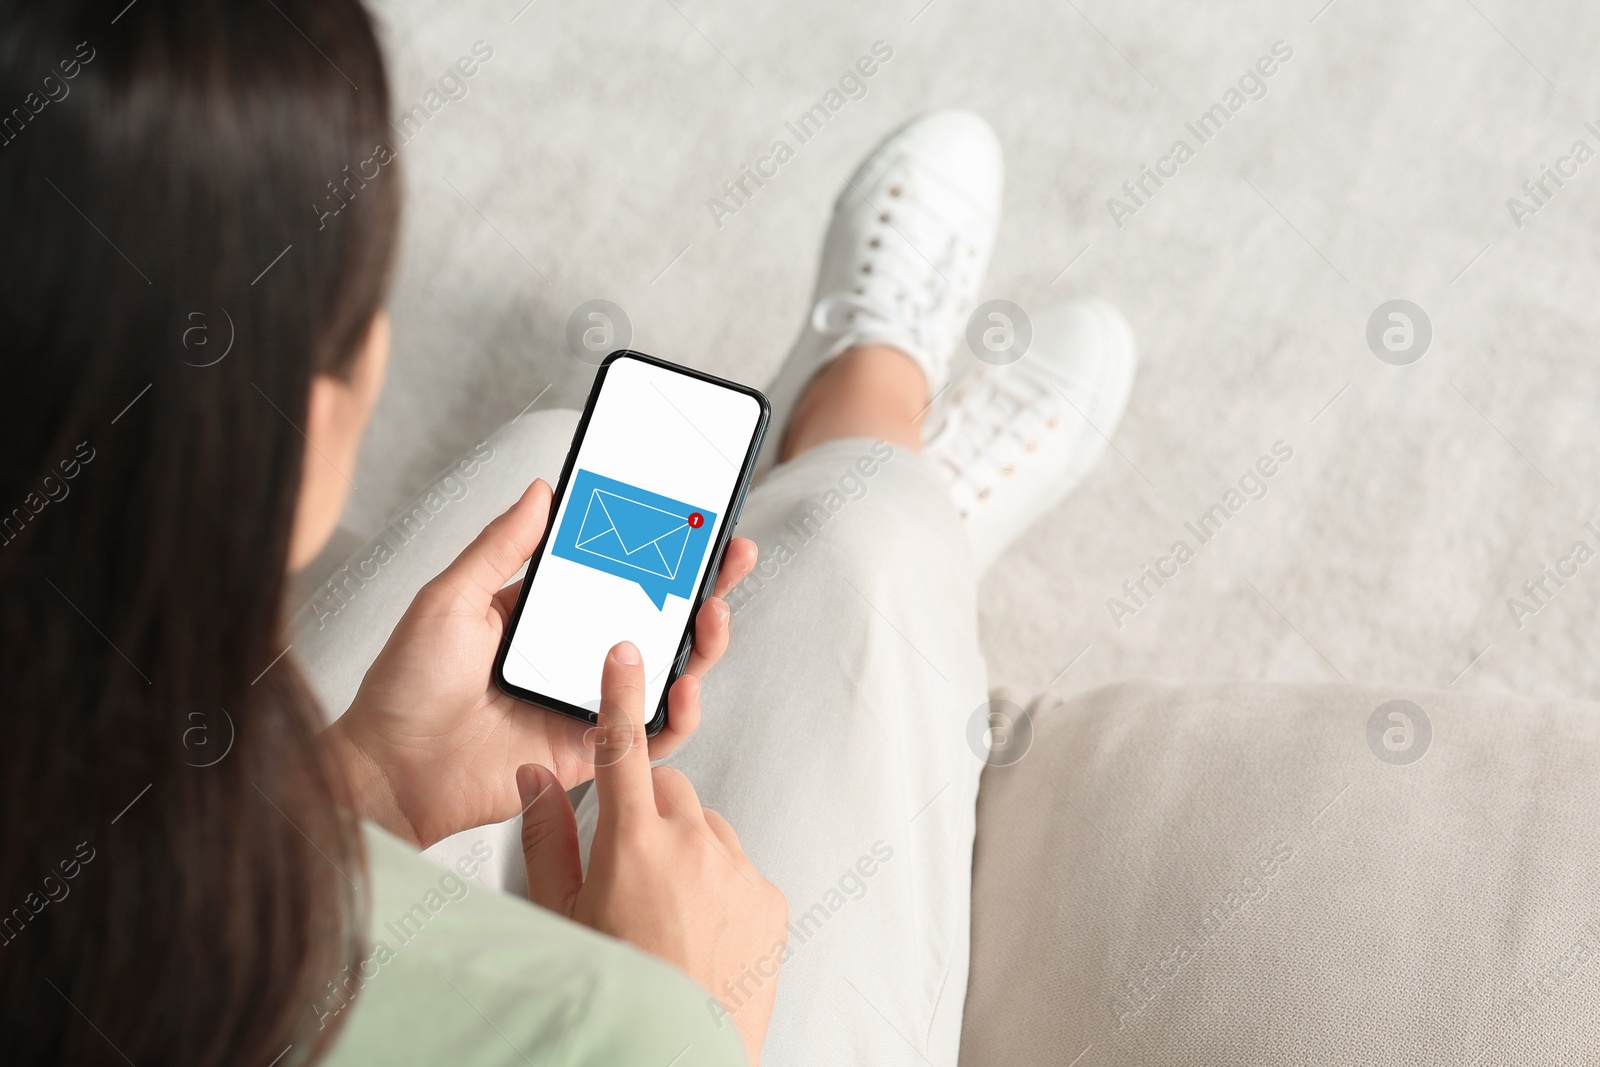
x,y
1229,874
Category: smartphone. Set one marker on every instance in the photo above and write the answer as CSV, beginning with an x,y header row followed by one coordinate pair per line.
x,y
648,497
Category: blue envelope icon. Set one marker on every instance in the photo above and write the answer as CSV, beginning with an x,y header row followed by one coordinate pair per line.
x,y
642,537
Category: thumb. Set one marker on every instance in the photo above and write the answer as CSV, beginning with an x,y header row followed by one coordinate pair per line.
x,y
549,840
486,565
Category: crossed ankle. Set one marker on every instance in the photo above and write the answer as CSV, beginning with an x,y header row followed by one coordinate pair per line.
x,y
887,360
869,391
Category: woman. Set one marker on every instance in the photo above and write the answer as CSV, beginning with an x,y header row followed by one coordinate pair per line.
x,y
195,340
192,351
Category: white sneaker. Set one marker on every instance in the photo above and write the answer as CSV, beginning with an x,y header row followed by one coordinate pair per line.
x,y
910,240
1011,441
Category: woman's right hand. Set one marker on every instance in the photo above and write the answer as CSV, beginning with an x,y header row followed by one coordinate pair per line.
x,y
664,874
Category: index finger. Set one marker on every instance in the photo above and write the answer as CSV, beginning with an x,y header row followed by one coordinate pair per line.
x,y
622,753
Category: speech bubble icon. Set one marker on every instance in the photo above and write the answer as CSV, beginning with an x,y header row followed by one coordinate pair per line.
x,y
642,537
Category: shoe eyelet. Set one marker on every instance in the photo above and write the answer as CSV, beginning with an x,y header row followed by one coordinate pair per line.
x,y
894,190
874,243
860,291
1032,446
984,495
1055,420
1008,471
883,217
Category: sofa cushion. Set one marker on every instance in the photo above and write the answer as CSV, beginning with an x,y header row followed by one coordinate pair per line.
x,y
1264,874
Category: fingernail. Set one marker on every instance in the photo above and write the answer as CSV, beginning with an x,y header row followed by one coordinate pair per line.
x,y
721,610
626,654
528,783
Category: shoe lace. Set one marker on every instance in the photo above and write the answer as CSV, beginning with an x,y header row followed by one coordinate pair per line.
x,y
914,247
990,420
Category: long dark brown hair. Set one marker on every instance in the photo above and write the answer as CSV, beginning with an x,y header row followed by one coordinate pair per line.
x,y
192,224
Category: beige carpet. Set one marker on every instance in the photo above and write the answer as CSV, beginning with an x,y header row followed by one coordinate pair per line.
x,y
1377,165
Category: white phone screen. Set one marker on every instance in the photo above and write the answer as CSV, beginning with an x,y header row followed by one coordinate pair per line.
x,y
645,504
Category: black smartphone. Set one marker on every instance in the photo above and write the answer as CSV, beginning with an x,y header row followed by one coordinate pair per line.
x,y
648,497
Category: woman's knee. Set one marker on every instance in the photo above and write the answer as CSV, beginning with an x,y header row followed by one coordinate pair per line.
x,y
867,512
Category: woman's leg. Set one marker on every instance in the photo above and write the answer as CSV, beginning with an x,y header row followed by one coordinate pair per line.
x,y
835,731
834,736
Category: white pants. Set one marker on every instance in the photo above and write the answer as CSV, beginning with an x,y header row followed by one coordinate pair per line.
x,y
835,736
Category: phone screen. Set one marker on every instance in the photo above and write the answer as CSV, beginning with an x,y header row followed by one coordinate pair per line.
x,y
663,457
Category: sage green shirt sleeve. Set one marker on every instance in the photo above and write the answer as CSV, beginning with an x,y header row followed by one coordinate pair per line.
x,y
454,973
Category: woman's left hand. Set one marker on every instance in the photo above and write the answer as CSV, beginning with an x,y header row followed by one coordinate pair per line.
x,y
432,746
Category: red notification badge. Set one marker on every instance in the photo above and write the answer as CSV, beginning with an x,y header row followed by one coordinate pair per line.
x,y
696,520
